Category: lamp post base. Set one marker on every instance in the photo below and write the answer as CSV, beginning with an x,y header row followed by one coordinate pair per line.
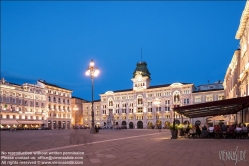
x,y
93,131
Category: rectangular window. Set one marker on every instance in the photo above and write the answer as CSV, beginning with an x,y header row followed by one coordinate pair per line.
x,y
209,98
197,99
186,101
167,94
221,97
139,109
167,108
150,95
149,109
167,102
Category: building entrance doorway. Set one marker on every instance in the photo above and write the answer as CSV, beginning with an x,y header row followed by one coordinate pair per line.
x,y
131,125
139,124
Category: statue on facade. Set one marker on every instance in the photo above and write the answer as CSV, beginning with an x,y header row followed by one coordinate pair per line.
x,y
110,120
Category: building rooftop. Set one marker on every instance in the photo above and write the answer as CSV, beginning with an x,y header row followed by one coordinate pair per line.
x,y
79,98
151,87
208,90
49,84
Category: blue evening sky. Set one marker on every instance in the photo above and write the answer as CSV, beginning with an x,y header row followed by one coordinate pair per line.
x,y
189,42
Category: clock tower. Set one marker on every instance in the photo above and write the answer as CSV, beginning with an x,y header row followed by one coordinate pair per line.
x,y
141,77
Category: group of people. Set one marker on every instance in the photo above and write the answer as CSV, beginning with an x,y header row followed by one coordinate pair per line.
x,y
219,131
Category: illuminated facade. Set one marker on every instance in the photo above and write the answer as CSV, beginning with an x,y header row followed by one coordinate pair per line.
x,y
77,111
146,106
208,93
22,105
99,119
236,81
58,105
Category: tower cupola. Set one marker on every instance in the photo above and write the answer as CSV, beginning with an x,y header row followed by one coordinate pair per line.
x,y
141,77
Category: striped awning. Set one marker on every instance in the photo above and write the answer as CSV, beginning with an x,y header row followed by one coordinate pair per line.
x,y
8,122
29,122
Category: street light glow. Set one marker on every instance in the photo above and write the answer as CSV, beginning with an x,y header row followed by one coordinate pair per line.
x,y
92,72
91,63
88,72
96,72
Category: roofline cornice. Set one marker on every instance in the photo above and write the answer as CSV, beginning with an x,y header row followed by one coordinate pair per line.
x,y
243,21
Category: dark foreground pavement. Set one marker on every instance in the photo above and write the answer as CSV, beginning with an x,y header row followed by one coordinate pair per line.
x,y
116,148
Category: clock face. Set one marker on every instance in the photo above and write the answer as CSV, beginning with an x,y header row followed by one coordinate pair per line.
x,y
139,77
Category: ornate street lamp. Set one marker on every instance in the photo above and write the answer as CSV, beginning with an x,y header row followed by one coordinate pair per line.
x,y
92,72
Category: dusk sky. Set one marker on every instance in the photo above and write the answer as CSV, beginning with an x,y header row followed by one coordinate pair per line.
x,y
190,42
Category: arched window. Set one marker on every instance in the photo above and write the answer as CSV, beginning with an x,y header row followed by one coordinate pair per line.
x,y
110,102
139,100
176,97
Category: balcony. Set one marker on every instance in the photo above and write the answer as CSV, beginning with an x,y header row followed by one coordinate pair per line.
x,y
38,113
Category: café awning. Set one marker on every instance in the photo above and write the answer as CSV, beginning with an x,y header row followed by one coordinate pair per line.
x,y
29,122
221,107
8,122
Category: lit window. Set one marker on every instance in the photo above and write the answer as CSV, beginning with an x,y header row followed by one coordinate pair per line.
x,y
140,101
139,109
209,98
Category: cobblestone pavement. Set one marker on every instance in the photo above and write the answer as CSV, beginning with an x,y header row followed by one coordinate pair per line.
x,y
126,147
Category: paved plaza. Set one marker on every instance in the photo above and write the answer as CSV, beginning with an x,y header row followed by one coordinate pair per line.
x,y
126,147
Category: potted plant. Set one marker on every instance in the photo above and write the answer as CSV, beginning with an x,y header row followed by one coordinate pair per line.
x,y
174,130
180,128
